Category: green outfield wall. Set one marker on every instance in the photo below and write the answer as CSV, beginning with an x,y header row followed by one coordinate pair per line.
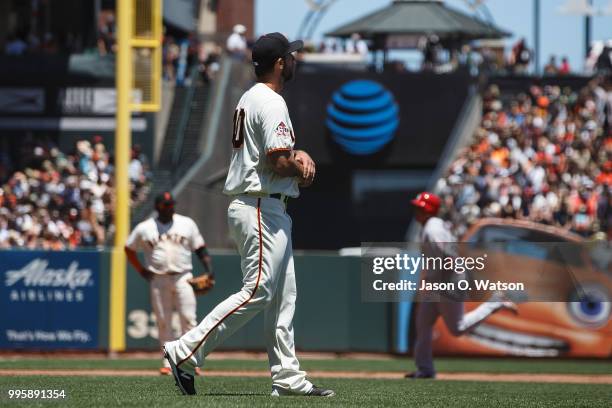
x,y
329,313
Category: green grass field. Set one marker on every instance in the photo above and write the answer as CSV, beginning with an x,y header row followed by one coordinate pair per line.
x,y
254,392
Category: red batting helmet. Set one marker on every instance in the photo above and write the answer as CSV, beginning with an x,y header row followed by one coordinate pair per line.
x,y
428,202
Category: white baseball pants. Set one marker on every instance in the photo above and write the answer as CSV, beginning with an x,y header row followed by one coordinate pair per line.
x,y
261,229
170,293
457,322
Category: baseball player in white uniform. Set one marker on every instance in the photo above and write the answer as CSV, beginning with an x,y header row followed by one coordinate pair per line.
x,y
435,237
265,172
167,242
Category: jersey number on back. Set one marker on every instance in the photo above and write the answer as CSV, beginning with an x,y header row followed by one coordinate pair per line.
x,y
238,134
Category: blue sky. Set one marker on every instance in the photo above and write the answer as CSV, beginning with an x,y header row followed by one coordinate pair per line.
x,y
560,34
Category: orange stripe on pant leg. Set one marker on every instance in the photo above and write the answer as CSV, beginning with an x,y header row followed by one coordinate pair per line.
x,y
246,301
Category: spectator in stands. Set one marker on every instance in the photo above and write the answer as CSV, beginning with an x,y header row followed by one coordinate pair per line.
x,y
136,172
236,43
330,46
604,212
604,60
551,67
209,62
193,46
564,68
63,200
520,57
171,52
430,46
106,32
356,45
469,58
544,156
51,43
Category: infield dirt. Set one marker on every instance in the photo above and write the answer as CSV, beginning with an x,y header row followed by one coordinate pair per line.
x,y
382,375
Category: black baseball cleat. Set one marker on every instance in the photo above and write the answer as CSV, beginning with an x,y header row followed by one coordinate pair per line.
x,y
419,375
320,392
184,380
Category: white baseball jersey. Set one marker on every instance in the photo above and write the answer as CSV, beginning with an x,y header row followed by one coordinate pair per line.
x,y
167,247
261,126
236,43
437,240
434,231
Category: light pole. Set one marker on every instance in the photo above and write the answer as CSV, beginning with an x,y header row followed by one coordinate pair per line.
x,y
139,33
587,29
536,35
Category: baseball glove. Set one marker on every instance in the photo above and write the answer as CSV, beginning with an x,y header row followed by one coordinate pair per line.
x,y
202,284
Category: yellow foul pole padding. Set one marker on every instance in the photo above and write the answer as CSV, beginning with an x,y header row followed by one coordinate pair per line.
x,y
123,141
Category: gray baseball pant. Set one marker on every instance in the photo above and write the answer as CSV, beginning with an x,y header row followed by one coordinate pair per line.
x,y
457,322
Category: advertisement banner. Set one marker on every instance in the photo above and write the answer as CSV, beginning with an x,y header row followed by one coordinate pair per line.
x,y
539,329
363,120
49,300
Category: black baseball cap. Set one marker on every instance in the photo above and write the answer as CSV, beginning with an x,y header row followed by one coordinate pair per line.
x,y
269,47
164,198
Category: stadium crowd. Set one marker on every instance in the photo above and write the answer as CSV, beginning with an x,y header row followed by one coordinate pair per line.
x,y
544,156
65,200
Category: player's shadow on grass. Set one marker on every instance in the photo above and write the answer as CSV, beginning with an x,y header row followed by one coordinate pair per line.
x,y
237,394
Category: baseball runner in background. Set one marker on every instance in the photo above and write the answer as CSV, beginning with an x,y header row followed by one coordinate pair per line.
x,y
435,237
264,174
167,242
